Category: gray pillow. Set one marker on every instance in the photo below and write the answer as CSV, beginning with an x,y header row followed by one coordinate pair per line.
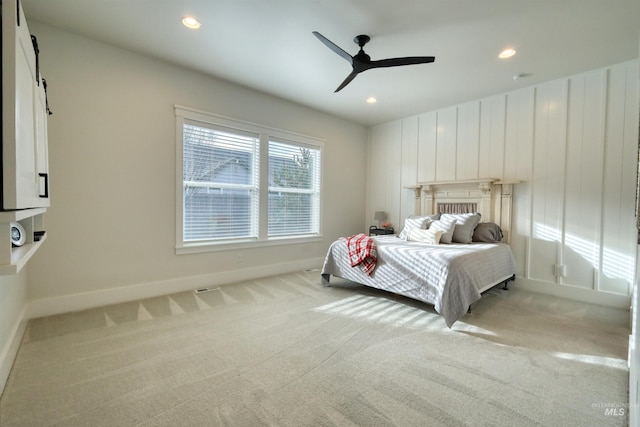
x,y
488,232
465,224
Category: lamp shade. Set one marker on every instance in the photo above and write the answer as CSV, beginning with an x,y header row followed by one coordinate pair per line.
x,y
380,216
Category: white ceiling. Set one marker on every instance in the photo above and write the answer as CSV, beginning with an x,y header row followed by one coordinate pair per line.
x,y
268,45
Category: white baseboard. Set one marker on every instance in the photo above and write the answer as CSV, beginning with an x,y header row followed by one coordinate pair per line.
x,y
86,300
575,293
10,350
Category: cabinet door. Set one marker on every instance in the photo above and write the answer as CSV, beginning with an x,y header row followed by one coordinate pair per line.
x,y
41,145
24,127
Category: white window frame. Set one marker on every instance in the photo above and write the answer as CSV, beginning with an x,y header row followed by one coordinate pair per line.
x,y
265,133
247,142
314,191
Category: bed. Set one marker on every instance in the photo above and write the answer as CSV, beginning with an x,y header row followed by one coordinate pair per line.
x,y
451,276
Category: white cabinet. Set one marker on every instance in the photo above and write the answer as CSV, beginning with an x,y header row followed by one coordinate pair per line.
x,y
25,171
24,189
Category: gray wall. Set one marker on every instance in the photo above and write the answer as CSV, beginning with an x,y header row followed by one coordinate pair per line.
x,y
112,149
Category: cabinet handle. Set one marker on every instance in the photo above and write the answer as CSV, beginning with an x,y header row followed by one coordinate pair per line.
x,y
46,185
36,49
46,97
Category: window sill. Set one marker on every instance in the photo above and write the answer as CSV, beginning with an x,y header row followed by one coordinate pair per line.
x,y
193,248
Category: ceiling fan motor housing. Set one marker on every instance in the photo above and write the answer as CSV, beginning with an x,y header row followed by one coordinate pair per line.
x,y
361,40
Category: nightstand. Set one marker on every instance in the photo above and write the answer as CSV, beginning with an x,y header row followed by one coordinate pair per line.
x,y
375,231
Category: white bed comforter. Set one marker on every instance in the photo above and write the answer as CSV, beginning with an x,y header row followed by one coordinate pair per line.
x,y
450,277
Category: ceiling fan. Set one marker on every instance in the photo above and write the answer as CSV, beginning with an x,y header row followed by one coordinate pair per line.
x,y
362,62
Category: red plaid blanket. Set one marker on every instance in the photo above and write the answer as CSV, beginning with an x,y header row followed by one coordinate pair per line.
x,y
362,251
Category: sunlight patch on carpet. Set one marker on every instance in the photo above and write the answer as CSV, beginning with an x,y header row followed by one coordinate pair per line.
x,y
610,362
378,310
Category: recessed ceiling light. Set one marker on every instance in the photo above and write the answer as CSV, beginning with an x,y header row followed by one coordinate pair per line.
x,y
372,100
191,22
507,53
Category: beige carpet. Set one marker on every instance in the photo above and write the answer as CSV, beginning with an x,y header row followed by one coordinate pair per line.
x,y
284,351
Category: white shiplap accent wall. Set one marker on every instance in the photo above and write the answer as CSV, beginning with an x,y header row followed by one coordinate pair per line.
x,y
547,180
446,149
428,124
573,140
468,143
409,170
384,169
620,156
492,132
584,172
519,134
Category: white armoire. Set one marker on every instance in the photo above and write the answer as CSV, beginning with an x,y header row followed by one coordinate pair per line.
x,y
24,193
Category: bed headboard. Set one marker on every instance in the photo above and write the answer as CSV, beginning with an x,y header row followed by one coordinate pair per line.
x,y
490,197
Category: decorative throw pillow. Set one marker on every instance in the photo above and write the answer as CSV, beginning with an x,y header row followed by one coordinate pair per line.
x,y
446,226
465,225
432,237
429,218
488,232
414,222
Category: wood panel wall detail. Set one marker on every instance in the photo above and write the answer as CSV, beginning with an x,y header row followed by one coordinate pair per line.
x,y
573,142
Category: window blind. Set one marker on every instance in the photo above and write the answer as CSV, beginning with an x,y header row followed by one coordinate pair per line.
x,y
294,189
221,181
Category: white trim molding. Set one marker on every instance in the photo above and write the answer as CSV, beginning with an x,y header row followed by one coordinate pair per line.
x,y
87,300
574,293
10,350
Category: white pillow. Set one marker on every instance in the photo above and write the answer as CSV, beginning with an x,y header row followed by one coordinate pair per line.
x,y
446,226
465,224
410,223
429,236
429,218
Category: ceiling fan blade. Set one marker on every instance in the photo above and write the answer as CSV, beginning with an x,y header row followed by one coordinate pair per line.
x,y
395,62
346,81
331,45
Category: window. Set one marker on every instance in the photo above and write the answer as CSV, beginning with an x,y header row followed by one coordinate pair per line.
x,y
220,177
294,189
242,184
